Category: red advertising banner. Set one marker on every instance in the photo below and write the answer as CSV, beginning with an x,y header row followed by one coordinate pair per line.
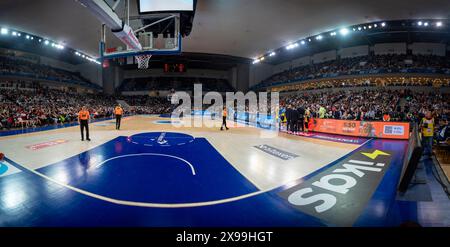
x,y
45,144
392,130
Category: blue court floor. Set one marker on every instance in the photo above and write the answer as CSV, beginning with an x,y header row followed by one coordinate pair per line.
x,y
174,179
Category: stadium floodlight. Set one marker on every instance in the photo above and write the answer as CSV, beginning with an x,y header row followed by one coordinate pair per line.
x,y
343,31
319,37
272,54
419,23
439,24
426,24
383,24
4,31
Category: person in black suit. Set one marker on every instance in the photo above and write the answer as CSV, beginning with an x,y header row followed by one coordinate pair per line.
x,y
288,117
294,121
301,118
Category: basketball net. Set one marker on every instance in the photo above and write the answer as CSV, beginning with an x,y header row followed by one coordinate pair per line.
x,y
143,60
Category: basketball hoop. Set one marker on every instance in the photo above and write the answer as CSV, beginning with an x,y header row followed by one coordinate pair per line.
x,y
143,60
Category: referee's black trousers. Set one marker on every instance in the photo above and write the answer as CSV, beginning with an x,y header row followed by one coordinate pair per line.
x,y
84,125
118,119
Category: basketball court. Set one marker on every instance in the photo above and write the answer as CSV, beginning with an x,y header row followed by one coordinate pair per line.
x,y
153,174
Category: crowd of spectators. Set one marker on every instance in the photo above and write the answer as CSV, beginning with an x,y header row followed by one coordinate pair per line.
x,y
12,65
372,105
41,106
373,64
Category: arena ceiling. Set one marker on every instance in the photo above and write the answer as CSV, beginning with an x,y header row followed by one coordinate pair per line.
x,y
244,28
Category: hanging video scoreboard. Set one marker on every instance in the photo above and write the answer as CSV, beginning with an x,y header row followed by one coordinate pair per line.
x,y
174,68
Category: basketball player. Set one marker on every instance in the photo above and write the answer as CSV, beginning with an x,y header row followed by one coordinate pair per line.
x,y
118,111
224,118
83,120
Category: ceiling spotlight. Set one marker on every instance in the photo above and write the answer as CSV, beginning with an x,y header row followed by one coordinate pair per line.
x,y
438,24
333,33
375,25
32,38
354,29
46,42
40,40
383,24
19,34
370,26
27,37
272,54
365,27
291,46
14,33
4,31
419,23
302,42
255,61
309,40
359,28
426,24
319,37
343,31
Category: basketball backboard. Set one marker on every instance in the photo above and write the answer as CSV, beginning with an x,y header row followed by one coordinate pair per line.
x,y
141,32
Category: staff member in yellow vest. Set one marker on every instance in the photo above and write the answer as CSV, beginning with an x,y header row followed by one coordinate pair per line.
x,y
224,118
427,126
118,111
83,120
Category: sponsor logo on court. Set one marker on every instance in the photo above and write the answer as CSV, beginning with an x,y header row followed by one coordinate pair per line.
x,y
105,124
3,168
339,194
162,139
166,122
7,169
46,144
276,152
